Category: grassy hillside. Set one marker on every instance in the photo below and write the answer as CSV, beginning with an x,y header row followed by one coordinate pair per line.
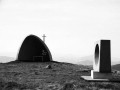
x,y
49,76
6,59
116,67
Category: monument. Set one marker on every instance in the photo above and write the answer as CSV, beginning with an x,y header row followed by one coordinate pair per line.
x,y
102,62
33,49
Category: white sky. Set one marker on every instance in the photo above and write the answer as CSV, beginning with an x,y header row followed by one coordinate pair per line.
x,y
71,26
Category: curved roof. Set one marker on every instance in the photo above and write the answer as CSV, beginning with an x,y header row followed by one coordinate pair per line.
x,y
34,49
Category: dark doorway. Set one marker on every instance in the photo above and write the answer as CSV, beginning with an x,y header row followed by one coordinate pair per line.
x,y
38,58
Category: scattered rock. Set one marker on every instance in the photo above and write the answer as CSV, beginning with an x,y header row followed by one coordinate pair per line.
x,y
86,70
116,72
68,86
36,73
12,86
48,67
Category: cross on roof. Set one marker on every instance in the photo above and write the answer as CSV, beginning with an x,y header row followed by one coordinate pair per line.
x,y
43,37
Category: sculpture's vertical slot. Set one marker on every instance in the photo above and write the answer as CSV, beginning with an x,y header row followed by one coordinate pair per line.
x,y
96,54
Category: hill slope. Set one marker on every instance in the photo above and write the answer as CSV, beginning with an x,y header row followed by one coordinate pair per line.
x,y
6,59
88,60
116,67
37,76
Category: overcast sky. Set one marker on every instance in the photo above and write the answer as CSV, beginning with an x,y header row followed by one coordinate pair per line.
x,y
71,26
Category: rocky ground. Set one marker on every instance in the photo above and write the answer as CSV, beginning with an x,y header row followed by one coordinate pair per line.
x,y
49,76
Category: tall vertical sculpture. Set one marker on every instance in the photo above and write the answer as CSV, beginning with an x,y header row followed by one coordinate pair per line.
x,y
102,60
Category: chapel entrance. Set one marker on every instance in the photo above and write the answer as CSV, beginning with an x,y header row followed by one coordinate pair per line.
x,y
37,58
